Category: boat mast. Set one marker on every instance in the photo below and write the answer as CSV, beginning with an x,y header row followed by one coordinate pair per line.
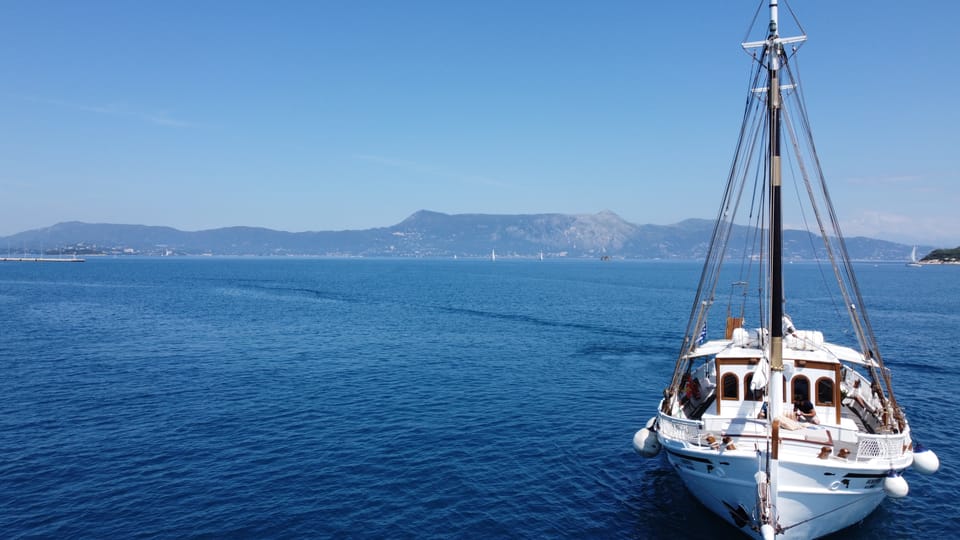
x,y
775,382
774,48
773,56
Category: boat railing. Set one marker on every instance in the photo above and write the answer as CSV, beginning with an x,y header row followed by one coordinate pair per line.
x,y
881,446
680,428
863,446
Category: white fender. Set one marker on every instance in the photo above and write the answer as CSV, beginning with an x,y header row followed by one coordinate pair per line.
x,y
646,443
895,486
925,461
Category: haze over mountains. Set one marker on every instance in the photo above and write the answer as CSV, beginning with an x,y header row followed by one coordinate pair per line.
x,y
430,234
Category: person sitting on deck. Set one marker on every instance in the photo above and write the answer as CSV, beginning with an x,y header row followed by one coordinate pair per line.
x,y
804,411
690,389
858,398
856,394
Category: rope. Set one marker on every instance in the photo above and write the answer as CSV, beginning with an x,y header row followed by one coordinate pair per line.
x,y
753,21
819,516
795,19
750,166
806,181
719,241
849,286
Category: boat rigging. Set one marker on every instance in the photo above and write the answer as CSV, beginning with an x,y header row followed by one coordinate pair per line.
x,y
726,422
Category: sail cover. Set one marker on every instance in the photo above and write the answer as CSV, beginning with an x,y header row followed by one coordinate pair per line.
x,y
759,381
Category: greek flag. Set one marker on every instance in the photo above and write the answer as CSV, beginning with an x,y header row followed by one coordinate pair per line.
x,y
703,334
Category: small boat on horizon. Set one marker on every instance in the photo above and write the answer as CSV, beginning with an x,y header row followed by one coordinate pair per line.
x,y
913,259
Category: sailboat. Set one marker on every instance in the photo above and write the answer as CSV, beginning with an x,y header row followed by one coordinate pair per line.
x,y
772,427
913,259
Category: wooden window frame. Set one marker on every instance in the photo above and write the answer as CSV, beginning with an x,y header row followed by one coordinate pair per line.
x,y
816,392
723,386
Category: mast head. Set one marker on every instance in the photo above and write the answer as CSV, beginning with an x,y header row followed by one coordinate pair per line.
x,y
774,20
773,39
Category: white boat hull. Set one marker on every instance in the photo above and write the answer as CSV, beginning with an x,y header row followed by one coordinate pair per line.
x,y
813,499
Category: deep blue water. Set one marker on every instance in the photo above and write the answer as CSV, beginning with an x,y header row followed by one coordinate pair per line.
x,y
391,398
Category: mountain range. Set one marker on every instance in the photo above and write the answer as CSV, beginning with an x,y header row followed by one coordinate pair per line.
x,y
432,234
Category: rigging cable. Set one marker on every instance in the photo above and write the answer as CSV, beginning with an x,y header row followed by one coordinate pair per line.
x,y
858,317
753,21
798,153
715,252
749,239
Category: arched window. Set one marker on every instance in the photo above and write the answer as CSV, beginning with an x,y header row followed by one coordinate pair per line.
x,y
824,391
730,386
800,386
748,393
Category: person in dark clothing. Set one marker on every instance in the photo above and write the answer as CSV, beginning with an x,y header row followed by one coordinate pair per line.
x,y
805,411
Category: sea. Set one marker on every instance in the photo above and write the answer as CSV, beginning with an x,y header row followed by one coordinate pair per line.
x,y
394,398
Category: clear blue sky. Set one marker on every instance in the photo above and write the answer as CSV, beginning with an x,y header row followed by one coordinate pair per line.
x,y
325,115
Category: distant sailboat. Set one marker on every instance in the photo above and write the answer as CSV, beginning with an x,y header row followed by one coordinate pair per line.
x,y
493,254
913,259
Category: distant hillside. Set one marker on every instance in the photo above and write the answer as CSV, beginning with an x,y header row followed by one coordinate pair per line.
x,y
943,256
431,234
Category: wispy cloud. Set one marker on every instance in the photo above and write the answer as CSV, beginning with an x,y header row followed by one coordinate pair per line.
x,y
431,170
928,229
931,183
886,180
874,221
159,118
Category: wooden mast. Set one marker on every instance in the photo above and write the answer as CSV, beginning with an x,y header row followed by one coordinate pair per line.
x,y
774,49
775,381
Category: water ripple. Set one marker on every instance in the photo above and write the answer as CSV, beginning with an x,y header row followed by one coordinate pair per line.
x,y
295,399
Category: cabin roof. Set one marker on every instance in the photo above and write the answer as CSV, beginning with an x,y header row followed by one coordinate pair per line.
x,y
825,352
